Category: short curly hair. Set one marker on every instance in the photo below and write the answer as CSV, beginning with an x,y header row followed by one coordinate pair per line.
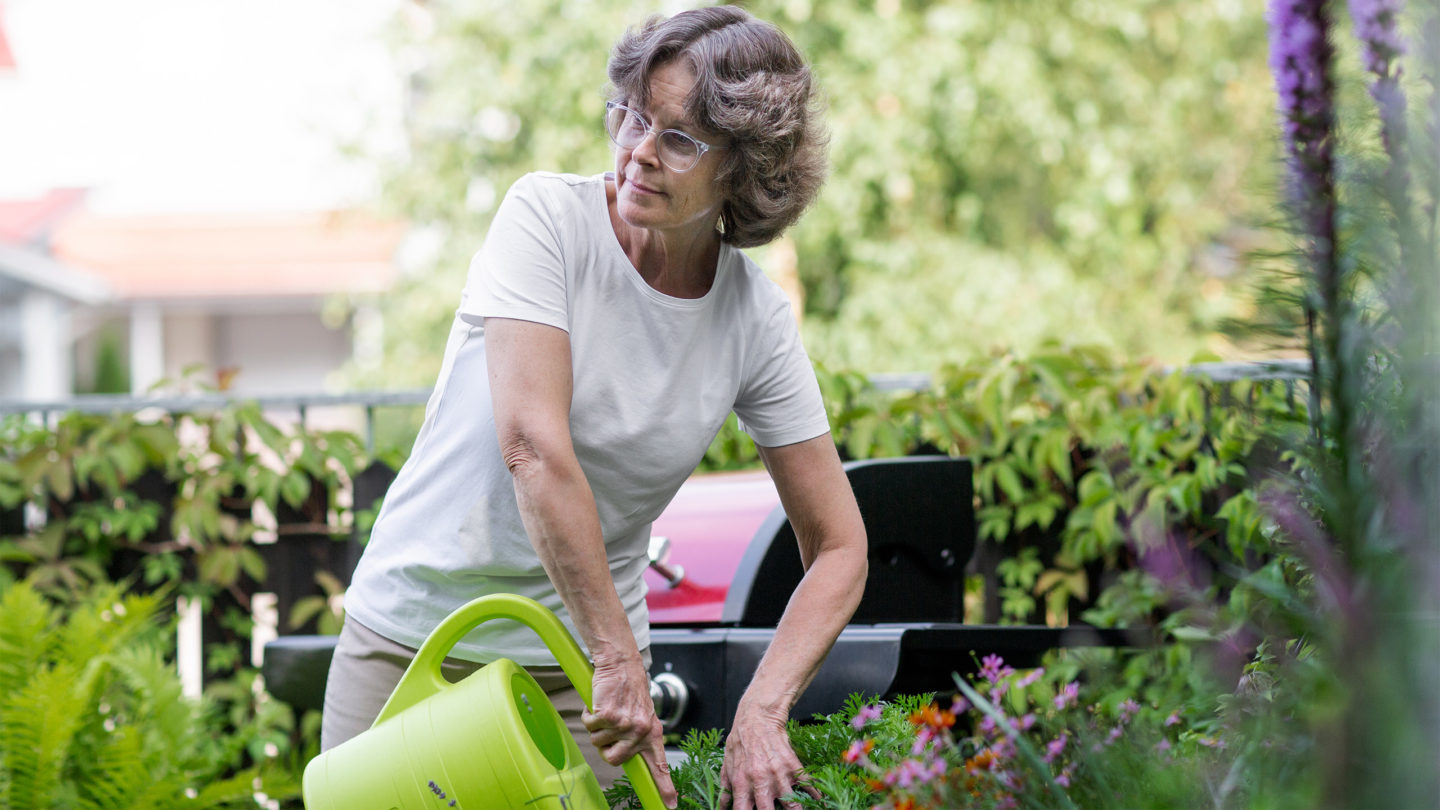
x,y
752,85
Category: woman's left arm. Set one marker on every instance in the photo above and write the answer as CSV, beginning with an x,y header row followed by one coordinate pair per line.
x,y
760,765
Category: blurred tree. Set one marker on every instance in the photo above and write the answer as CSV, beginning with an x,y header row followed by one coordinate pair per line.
x,y
1003,172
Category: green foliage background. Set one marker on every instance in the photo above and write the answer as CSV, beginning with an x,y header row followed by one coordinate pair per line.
x,y
1003,173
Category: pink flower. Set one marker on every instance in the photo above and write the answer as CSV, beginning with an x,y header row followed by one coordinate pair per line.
x,y
1162,746
1128,710
912,771
1026,722
959,706
1031,677
1069,694
1173,719
1063,780
864,716
1055,746
859,751
992,668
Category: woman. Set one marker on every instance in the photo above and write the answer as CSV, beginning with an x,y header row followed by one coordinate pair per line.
x,y
609,327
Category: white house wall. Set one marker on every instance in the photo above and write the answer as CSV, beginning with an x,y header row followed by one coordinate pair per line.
x,y
279,353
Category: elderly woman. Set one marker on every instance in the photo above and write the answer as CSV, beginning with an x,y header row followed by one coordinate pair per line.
x,y
609,327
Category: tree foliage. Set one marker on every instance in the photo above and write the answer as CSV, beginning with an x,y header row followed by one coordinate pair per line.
x,y
999,176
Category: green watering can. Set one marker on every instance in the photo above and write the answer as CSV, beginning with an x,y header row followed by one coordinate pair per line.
x,y
493,740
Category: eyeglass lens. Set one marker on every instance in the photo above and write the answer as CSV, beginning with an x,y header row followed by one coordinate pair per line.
x,y
676,149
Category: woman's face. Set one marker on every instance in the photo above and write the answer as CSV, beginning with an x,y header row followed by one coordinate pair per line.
x,y
648,194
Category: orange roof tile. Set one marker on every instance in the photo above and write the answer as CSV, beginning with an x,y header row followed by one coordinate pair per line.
x,y
25,221
7,56
232,255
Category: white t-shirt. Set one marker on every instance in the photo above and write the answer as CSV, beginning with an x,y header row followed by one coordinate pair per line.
x,y
655,377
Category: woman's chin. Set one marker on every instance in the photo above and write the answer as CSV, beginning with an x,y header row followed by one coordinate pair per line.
x,y
639,215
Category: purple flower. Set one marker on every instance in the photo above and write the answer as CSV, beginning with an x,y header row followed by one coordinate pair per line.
x,y
1055,747
864,716
1300,58
1063,780
1128,710
1376,26
1380,41
1162,746
1069,694
913,771
1030,677
992,668
1173,719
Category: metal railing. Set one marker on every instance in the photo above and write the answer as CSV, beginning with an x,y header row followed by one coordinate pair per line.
x,y
1291,371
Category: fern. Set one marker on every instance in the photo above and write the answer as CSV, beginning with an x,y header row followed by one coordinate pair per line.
x,y
25,631
93,716
37,725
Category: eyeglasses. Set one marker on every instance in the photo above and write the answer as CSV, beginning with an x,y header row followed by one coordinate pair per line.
x,y
628,129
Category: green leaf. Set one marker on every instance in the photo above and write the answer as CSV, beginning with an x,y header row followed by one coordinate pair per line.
x,y
220,565
1009,482
295,488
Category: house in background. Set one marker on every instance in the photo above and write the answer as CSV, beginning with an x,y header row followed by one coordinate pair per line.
x,y
242,295
91,299
41,300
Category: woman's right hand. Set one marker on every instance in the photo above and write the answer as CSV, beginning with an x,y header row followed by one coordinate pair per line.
x,y
623,722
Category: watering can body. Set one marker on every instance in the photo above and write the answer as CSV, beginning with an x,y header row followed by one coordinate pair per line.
x,y
493,740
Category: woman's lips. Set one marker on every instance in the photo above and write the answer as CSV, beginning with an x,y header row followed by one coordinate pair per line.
x,y
642,188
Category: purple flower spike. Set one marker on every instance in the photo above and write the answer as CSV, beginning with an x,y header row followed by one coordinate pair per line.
x,y
1377,28
1380,40
1300,56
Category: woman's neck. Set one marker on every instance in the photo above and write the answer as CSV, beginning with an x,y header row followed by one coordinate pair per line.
x,y
680,263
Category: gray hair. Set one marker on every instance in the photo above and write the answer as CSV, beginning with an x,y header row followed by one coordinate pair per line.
x,y
752,85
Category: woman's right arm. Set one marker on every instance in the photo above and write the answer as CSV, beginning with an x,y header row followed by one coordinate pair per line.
x,y
530,386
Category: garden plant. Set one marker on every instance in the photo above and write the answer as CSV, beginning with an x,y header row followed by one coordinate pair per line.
x,y
1271,544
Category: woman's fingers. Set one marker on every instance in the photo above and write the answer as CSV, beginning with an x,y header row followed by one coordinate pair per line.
x,y
654,757
760,768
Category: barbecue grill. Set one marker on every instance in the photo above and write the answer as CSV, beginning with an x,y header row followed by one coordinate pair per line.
x,y
724,564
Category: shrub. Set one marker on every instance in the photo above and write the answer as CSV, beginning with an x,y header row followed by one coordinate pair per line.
x,y
92,715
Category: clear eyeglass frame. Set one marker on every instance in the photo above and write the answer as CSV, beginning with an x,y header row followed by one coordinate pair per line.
x,y
679,151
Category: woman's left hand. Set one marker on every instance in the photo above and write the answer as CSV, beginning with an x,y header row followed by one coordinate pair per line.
x,y
760,766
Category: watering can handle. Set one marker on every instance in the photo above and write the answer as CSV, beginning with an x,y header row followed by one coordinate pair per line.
x,y
423,677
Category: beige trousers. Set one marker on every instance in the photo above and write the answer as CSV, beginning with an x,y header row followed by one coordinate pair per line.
x,y
367,666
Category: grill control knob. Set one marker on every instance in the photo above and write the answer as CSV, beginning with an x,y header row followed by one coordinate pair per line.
x,y
671,696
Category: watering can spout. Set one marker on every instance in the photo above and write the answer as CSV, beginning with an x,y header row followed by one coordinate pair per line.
x,y
493,740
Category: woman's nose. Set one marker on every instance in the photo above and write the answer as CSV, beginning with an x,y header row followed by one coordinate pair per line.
x,y
647,150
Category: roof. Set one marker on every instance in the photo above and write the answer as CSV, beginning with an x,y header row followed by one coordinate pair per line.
x,y
232,255
29,267
7,56
26,222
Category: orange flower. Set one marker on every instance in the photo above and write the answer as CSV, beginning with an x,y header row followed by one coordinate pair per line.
x,y
934,717
983,761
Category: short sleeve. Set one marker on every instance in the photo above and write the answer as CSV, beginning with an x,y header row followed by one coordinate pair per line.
x,y
519,272
779,401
